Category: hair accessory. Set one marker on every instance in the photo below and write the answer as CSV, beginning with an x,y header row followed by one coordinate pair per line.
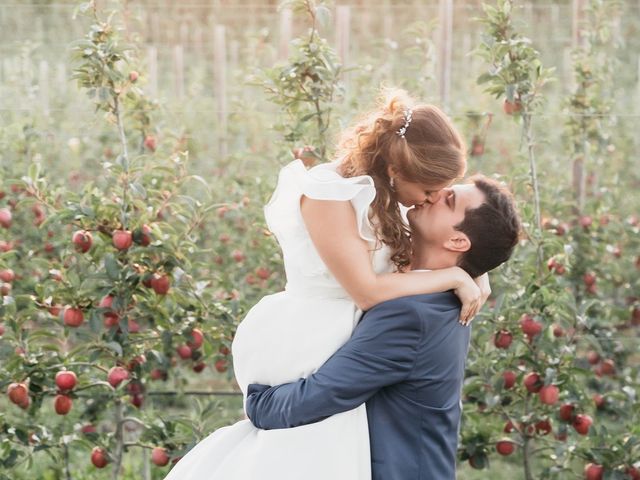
x,y
407,120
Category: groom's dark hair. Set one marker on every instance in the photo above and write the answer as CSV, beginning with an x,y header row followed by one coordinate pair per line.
x,y
493,228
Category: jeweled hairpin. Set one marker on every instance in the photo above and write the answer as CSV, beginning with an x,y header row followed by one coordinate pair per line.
x,y
407,120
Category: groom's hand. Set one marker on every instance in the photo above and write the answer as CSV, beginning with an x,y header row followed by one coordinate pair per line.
x,y
253,394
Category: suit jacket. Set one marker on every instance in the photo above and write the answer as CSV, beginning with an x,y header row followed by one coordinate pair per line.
x,y
406,361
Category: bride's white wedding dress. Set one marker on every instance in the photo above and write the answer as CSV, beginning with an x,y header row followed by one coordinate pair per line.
x,y
289,335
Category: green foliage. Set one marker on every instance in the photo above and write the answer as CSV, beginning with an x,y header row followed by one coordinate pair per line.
x,y
308,85
515,70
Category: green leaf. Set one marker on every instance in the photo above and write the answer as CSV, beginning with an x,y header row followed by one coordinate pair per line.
x,y
116,347
111,266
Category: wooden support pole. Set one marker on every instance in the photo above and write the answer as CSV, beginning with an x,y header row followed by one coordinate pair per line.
x,y
152,68
178,62
286,28
445,49
61,77
220,79
43,85
576,20
184,35
343,27
343,20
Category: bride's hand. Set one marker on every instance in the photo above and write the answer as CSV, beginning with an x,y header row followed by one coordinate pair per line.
x,y
470,295
485,288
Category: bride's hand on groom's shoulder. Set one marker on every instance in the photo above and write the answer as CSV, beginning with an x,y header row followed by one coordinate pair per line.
x,y
470,295
485,288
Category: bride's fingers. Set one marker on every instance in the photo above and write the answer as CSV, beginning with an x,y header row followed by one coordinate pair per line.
x,y
463,314
473,310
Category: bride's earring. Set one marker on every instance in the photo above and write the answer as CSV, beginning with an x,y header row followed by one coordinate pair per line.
x,y
392,182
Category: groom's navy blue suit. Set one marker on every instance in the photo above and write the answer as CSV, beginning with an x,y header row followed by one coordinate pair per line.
x,y
406,361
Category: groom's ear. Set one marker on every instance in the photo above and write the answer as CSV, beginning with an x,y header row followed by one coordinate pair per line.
x,y
458,242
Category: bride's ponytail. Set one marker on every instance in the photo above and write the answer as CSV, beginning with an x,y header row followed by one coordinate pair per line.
x,y
430,153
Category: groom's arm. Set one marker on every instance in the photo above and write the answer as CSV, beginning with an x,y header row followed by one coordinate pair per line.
x,y
381,352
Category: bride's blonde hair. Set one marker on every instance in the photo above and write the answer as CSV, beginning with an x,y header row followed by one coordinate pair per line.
x,y
432,153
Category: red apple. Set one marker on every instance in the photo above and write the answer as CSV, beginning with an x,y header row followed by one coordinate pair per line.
x,y
511,107
136,361
18,393
82,240
221,365
599,401
116,376
505,447
562,435
150,142
63,404
581,423
137,400
198,367
532,382
5,217
7,275
530,327
66,380
566,412
503,339
589,279
224,350
608,367
5,289
88,428
509,378
593,357
110,318
558,331
477,146
142,235
543,427
549,394
263,273
73,317
158,374
1,329
238,255
133,326
508,427
586,221
133,76
196,339
122,239
99,457
593,471
633,472
159,456
160,284
184,351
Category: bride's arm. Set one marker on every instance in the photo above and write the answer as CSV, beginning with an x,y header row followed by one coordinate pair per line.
x,y
333,229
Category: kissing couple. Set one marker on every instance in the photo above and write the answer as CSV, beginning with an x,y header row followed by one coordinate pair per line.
x,y
355,370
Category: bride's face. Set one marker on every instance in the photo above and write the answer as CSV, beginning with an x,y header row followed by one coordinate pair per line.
x,y
411,194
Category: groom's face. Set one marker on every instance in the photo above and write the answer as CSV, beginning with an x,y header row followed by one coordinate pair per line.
x,y
435,222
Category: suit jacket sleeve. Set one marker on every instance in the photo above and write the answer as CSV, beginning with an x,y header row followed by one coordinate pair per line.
x,y
381,352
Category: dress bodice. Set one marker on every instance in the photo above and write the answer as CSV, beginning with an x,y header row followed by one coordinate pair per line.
x,y
305,270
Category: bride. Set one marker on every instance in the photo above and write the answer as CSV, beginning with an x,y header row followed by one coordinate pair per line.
x,y
345,246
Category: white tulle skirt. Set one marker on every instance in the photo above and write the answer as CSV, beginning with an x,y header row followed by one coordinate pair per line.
x,y
287,336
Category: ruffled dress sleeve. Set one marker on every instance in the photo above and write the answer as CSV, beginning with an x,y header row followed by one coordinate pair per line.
x,y
321,182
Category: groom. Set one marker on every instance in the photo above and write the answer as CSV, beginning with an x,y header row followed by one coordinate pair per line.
x,y
406,356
